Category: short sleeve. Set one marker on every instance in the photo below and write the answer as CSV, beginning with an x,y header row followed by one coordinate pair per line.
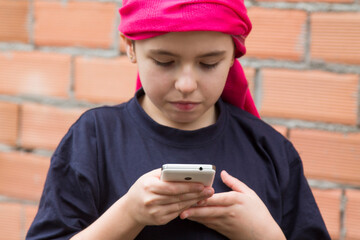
x,y
301,215
70,199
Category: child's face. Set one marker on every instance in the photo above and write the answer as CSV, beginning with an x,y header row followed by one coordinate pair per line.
x,y
183,75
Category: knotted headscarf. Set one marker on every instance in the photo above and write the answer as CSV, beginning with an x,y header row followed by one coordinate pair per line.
x,y
142,19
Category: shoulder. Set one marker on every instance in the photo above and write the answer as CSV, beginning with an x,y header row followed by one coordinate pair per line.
x,y
84,132
262,135
99,116
102,112
253,125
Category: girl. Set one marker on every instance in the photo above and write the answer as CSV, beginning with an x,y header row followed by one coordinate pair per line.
x,y
193,107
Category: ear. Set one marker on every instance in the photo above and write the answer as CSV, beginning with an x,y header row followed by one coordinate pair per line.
x,y
130,48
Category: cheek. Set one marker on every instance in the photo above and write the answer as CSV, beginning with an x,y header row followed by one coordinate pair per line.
x,y
155,83
217,81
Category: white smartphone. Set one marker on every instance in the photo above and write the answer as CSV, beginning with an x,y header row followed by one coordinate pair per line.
x,y
201,173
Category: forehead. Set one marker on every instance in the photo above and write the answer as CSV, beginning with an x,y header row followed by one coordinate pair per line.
x,y
196,42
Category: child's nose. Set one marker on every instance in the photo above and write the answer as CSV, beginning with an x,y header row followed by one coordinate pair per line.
x,y
186,82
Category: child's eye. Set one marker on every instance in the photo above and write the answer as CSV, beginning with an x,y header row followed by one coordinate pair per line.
x,y
209,66
163,64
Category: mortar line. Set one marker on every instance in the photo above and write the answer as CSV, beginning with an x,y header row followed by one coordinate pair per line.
x,y
343,205
308,36
312,7
6,148
297,123
83,51
258,88
22,221
31,22
327,184
116,33
313,65
71,87
19,126
358,103
8,199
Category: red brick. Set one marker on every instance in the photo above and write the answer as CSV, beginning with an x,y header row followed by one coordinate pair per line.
x,y
22,175
352,215
13,21
335,37
35,73
105,80
86,24
274,37
310,95
10,221
9,119
30,212
329,202
44,126
332,156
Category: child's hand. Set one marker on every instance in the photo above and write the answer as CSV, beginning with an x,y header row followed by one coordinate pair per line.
x,y
239,214
151,201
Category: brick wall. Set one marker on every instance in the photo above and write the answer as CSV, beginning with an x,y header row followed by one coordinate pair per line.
x,y
59,58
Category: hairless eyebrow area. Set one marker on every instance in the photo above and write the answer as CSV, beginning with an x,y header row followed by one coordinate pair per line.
x,y
166,53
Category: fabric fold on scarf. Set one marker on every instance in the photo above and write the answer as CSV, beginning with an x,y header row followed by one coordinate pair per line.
x,y
142,19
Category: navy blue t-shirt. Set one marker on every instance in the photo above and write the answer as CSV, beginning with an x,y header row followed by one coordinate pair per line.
x,y
109,148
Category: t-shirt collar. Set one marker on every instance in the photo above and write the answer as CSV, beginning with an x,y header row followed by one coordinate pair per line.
x,y
173,136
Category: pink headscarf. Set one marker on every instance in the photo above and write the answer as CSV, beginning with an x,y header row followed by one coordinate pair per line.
x,y
142,19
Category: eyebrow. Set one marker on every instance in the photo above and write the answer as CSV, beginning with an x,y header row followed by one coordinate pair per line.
x,y
209,54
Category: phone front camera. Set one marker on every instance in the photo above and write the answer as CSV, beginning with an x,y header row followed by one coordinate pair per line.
x,y
200,168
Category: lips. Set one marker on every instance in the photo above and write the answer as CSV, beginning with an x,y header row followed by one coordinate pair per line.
x,y
185,105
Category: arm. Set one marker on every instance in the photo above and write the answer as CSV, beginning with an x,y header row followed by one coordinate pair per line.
x,y
239,214
301,215
115,223
301,218
149,201
72,203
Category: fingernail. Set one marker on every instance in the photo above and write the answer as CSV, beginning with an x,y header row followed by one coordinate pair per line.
x,y
208,192
184,215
